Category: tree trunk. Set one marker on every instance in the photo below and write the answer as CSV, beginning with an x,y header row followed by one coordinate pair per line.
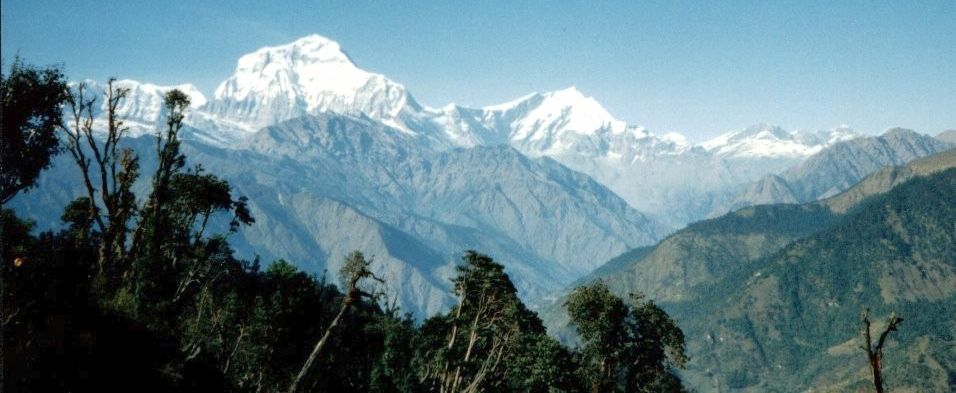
x,y
596,386
877,374
875,354
317,350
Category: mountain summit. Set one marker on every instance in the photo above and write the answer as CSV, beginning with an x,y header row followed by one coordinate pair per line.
x,y
553,114
307,76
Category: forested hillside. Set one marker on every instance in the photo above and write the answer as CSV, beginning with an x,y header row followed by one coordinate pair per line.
x,y
770,296
794,318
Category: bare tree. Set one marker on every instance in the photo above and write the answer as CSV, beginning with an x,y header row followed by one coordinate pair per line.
x,y
353,272
875,353
104,167
109,172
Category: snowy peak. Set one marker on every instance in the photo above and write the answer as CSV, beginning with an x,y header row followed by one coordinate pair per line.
x,y
143,107
144,96
305,64
307,76
679,141
313,75
826,137
555,113
564,124
768,141
731,141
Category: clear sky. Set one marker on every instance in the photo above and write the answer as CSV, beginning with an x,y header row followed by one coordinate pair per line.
x,y
700,68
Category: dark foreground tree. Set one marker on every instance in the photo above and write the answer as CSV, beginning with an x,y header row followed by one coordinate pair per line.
x,y
355,270
626,347
146,296
490,340
168,236
31,100
874,353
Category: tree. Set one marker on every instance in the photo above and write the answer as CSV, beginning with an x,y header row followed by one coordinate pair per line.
x,y
168,239
627,347
874,354
31,98
103,165
485,311
352,274
489,340
599,317
659,348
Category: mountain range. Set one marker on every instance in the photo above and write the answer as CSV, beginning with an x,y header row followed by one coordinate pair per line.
x,y
664,176
322,186
335,158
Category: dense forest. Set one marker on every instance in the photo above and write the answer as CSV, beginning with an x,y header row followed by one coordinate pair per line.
x,y
144,293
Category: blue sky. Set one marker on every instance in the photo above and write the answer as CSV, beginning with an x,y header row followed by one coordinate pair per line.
x,y
700,68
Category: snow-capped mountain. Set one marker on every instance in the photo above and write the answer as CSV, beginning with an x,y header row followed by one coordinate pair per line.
x,y
763,149
308,76
142,110
563,122
768,141
552,123
663,175
313,75
145,100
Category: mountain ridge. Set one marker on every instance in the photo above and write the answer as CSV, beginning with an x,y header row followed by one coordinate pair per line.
x,y
314,74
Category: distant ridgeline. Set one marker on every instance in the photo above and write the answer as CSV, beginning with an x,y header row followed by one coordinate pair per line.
x,y
770,296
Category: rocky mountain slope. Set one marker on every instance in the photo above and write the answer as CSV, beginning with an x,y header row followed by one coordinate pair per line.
x,y
319,140
322,186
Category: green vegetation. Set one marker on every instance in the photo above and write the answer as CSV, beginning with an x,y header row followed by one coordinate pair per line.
x,y
769,296
31,99
896,253
629,347
146,295
788,318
